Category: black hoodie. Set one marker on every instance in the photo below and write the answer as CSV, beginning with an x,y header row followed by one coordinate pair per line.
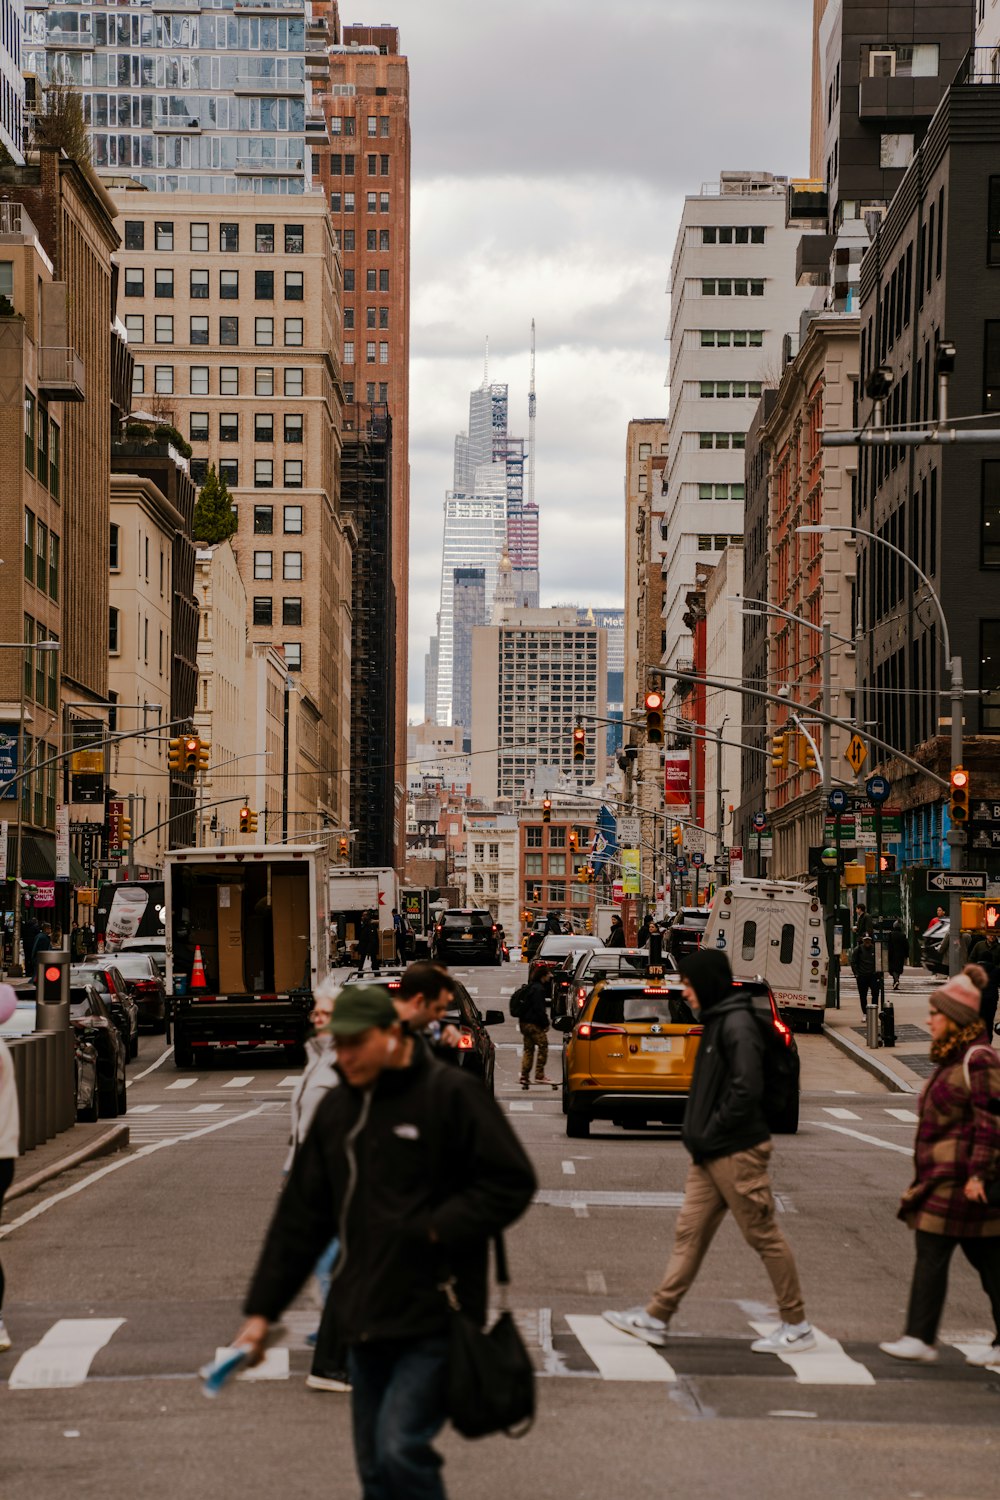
x,y
724,1111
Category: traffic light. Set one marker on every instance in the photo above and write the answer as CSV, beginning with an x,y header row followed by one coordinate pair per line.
x,y
52,979
124,829
579,745
192,746
779,751
244,820
677,834
175,755
342,846
806,755
572,838
253,821
583,875
546,811
654,717
590,924
204,755
958,800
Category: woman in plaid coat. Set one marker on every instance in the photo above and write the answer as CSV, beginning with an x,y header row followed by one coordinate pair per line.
x,y
957,1157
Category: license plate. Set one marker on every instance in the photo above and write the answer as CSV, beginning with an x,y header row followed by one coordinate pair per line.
x,y
466,937
656,1044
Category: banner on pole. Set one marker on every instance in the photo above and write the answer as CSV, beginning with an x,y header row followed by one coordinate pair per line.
x,y
631,869
677,778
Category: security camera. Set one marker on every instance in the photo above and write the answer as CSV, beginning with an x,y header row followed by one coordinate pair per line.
x,y
879,383
783,691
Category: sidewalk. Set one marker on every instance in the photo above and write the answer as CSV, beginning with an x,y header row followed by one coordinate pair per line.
x,y
905,1067
82,1143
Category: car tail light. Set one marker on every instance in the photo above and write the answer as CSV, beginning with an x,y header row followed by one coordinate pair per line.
x,y
465,1042
785,1032
581,994
393,984
146,986
591,1029
695,1030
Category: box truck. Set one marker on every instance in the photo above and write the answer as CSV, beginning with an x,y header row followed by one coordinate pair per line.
x,y
352,893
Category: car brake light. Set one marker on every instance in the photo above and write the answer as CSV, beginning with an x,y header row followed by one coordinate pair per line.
x,y
393,984
465,1042
785,1032
696,1031
590,1029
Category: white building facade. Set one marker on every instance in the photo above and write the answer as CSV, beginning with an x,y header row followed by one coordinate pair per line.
x,y
491,852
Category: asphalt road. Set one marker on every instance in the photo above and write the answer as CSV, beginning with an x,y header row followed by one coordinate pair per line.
x,y
125,1276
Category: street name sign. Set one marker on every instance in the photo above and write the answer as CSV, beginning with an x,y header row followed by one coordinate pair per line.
x,y
961,881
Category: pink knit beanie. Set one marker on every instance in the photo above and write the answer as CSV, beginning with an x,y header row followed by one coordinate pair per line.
x,y
959,999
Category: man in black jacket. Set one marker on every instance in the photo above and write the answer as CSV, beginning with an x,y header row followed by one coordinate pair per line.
x,y
533,1019
730,1145
414,1167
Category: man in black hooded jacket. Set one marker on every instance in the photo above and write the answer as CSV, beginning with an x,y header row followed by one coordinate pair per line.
x,y
727,1136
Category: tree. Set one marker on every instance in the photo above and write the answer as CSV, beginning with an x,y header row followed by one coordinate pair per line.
x,y
60,121
213,512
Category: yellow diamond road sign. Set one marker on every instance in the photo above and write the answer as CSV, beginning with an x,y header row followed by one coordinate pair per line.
x,y
856,754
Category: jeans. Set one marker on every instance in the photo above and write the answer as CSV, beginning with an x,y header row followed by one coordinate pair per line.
x,y
398,1407
740,1184
869,984
930,1280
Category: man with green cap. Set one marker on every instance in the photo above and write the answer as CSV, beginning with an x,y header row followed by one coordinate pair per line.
x,y
415,1168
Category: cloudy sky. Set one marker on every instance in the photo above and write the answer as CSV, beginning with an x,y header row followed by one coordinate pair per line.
x,y
553,142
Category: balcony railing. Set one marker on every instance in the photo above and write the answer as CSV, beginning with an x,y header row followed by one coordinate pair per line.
x,y
15,219
61,374
253,83
981,65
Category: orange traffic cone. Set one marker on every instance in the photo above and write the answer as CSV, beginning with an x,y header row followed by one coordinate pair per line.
x,y
198,981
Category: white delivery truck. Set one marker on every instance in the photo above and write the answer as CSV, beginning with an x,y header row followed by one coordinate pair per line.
x,y
352,893
773,930
255,916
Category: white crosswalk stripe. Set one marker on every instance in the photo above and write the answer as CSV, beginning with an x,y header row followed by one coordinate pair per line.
x,y
239,1083
183,1083
617,1355
827,1364
205,1109
907,1115
841,1114
64,1354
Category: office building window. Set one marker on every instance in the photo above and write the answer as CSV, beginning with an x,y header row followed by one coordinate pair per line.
x,y
114,554
263,332
990,528
229,470
229,380
348,203
370,315
198,383
135,327
383,239
738,234
163,380
293,333
348,164
293,656
348,241
198,427
383,166
371,239
263,286
263,610
293,519
229,427
991,366
726,286
199,286
229,285
336,203
292,565
370,352
229,237
164,329
349,279
164,283
263,564
113,632
370,392
134,281
293,473
293,428
199,330
135,234
383,352
370,202
294,380
383,203
294,239
989,674
383,317
291,611
373,124
164,234
263,520
263,473
383,281
229,330
294,286
138,379
199,236
731,338
199,470
263,427
383,390
263,380
263,239
349,392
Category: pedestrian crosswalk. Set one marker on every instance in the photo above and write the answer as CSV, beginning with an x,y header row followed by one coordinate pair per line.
x,y
569,1345
153,1122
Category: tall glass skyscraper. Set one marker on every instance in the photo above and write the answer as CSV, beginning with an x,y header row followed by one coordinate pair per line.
x,y
197,96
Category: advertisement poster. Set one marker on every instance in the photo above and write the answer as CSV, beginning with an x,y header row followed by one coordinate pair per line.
x,y
630,871
45,893
8,760
677,778
3,853
62,841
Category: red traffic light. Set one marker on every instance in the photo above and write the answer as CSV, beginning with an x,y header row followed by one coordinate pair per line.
x,y
960,778
653,700
52,974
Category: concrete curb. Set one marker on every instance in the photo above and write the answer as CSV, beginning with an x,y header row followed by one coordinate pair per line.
x,y
115,1139
868,1061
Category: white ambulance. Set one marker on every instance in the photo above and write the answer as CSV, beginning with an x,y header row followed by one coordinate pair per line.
x,y
773,929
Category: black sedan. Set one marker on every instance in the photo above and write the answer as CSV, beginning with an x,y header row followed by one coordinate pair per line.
x,y
146,986
475,1050
91,1021
112,986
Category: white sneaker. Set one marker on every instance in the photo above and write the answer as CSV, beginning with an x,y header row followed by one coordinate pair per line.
x,y
327,1383
638,1322
988,1354
915,1350
787,1338
4,1337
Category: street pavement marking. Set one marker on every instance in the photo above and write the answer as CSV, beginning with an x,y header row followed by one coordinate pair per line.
x,y
569,1167
143,1109
239,1083
570,1197
791,1412
596,1283
903,1114
183,1083
64,1354
827,1364
506,989
841,1114
152,1067
520,1106
859,1135
205,1109
617,1355
966,1349
274,1366
289,1082
581,1210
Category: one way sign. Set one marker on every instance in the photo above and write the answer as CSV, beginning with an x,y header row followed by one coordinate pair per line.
x,y
968,882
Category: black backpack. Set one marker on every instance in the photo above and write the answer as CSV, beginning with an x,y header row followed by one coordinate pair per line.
x,y
517,1000
781,1076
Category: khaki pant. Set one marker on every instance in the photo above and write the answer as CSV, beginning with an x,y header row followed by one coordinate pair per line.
x,y
534,1036
738,1183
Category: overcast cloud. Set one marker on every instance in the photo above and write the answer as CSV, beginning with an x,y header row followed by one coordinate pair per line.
x,y
553,142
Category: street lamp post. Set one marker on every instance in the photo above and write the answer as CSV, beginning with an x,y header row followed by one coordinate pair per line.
x,y
956,693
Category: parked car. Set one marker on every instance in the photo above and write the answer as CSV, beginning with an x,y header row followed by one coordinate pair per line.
x,y
22,1022
146,986
554,948
156,947
475,1050
110,983
629,1054
85,1069
466,933
687,930
605,963
92,1022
